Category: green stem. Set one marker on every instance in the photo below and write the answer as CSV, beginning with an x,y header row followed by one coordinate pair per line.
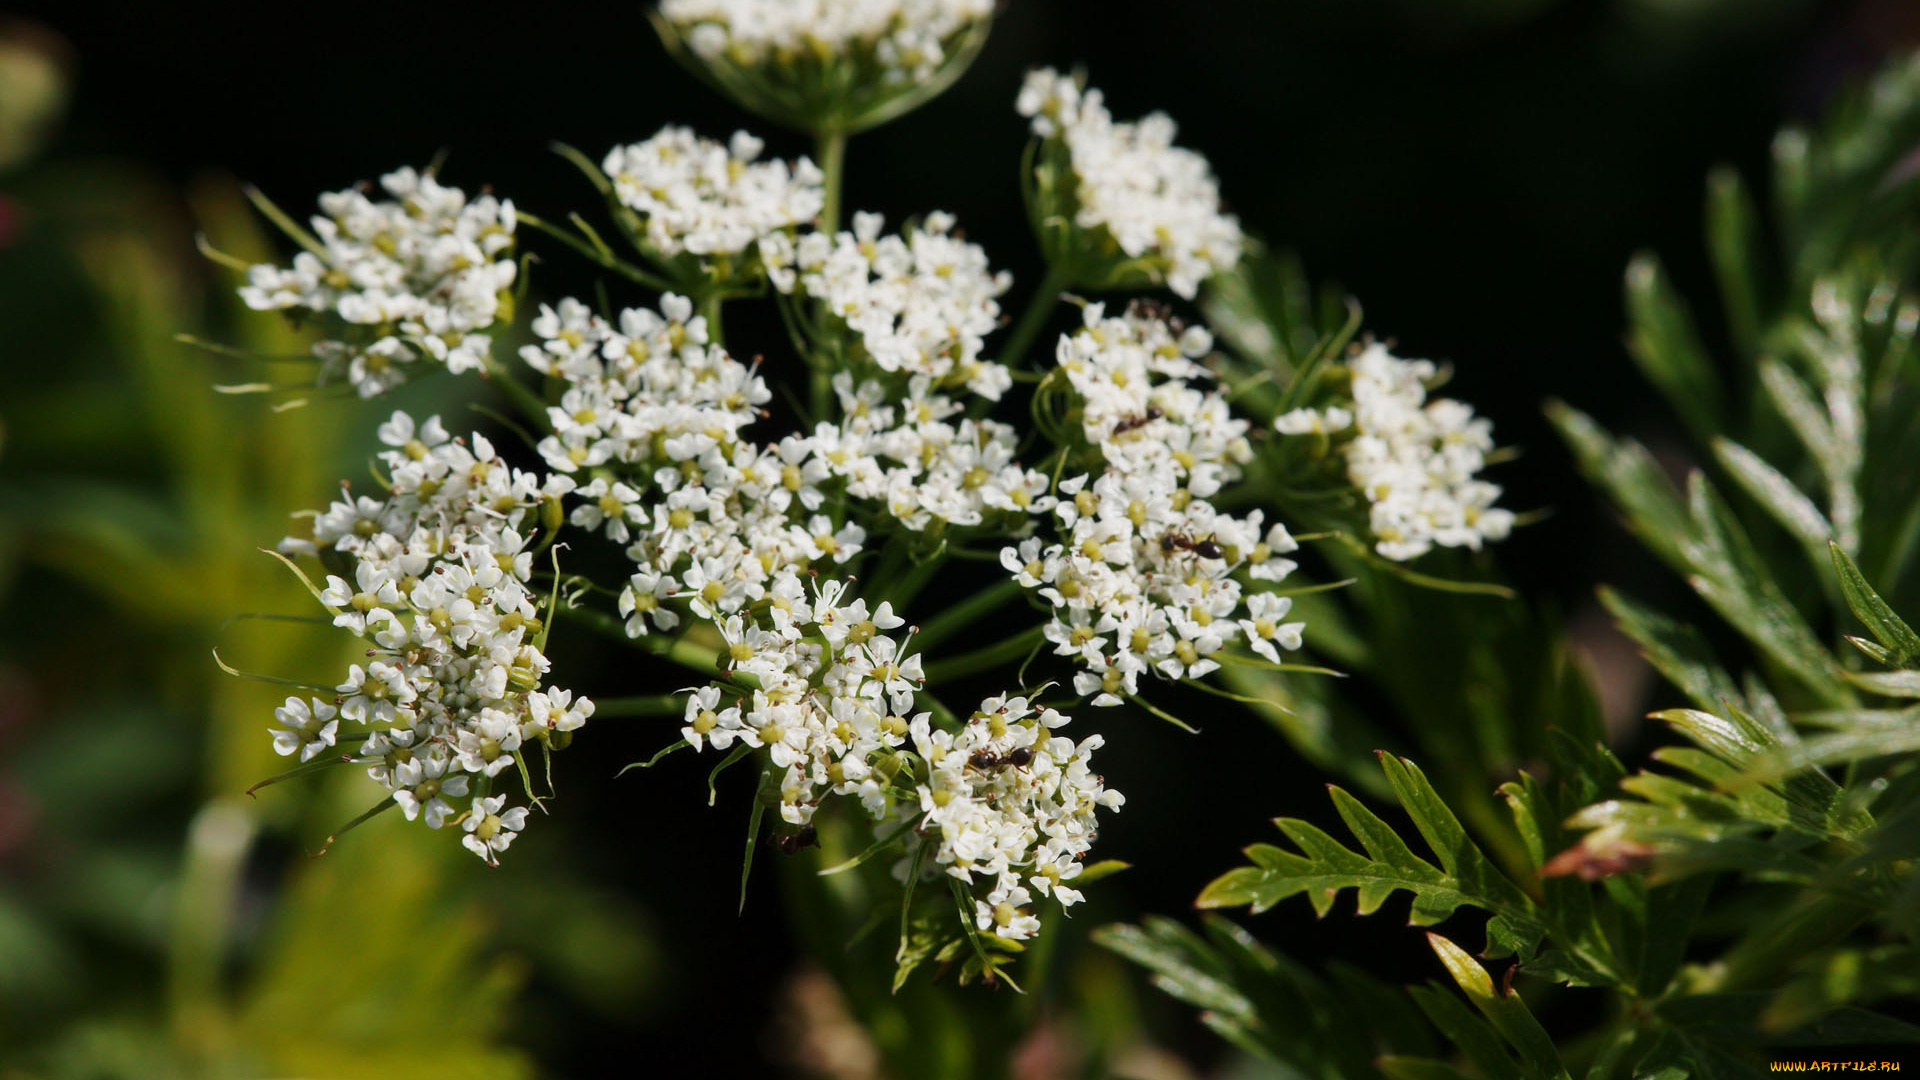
x,y
833,164
643,705
1034,319
710,307
594,254
686,653
963,614
531,405
1004,651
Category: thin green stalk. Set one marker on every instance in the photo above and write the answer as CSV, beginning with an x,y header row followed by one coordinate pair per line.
x,y
642,705
965,613
530,404
833,164
688,654
710,307
1004,651
594,254
1034,319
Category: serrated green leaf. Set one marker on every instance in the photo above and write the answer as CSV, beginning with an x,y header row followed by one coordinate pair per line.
x,y
1323,867
1902,644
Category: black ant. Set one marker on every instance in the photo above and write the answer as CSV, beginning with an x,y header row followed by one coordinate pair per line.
x,y
1019,759
1134,423
806,837
1205,547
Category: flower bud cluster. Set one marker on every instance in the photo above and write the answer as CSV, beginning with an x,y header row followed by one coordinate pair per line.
x,y
397,283
1146,575
1157,202
452,691
697,197
919,303
906,39
1415,460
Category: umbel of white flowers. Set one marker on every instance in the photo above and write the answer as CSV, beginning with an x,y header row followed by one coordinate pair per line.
x,y
743,546
399,284
1132,189
1415,460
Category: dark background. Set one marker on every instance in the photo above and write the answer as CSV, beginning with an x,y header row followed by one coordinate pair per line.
x,y
1476,171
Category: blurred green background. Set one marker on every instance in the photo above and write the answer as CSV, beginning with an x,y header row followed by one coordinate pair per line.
x,y
1478,171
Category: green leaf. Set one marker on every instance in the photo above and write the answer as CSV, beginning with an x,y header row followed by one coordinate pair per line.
x,y
1413,1068
1786,503
1667,346
1476,1039
1624,469
1902,644
1904,684
1734,1018
1734,244
1503,1009
1676,650
1729,574
1323,867
1183,966
753,834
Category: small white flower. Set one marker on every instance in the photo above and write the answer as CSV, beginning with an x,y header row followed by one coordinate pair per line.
x,y
309,729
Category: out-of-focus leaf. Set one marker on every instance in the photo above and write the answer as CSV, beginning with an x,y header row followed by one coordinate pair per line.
x,y
1667,346
1675,650
1733,243
1786,503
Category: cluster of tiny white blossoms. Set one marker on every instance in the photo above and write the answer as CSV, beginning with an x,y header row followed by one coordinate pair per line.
x,y
451,694
652,414
1415,460
1011,801
730,533
1156,200
921,306
403,281
698,197
1145,575
907,38
921,303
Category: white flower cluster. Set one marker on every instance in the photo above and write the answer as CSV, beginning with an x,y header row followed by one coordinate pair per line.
x,y
698,197
1158,201
828,687
1146,573
451,693
922,303
729,531
1415,460
1014,802
654,410
906,38
410,279
928,464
